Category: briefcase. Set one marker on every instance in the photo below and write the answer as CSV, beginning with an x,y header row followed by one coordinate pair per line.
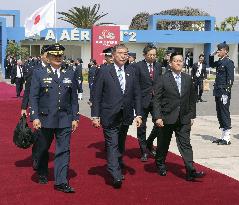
x,y
23,136
206,85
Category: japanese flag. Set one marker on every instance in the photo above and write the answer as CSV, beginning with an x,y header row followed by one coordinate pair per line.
x,y
41,19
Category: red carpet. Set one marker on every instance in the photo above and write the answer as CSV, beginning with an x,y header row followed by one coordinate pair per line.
x,y
89,177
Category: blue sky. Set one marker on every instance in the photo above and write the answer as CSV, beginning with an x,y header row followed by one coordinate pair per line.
x,y
121,12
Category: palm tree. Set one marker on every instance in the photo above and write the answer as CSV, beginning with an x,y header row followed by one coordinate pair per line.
x,y
84,17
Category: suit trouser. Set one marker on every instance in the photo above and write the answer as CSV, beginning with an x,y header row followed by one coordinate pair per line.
x,y
62,152
198,83
19,86
115,137
141,131
182,134
223,113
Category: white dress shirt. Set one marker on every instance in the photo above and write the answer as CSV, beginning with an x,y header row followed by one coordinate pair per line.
x,y
58,71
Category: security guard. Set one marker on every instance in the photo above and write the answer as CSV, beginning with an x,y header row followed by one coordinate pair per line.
x,y
55,111
222,90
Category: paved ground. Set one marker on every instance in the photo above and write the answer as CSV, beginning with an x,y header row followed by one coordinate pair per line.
x,y
221,158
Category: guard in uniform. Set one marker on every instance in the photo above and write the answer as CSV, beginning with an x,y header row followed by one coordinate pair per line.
x,y
54,109
222,90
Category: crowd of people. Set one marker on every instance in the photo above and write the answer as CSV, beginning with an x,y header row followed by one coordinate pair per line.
x,y
121,91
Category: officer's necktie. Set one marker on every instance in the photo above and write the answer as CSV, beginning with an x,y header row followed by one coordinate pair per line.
x,y
121,79
55,73
151,71
178,81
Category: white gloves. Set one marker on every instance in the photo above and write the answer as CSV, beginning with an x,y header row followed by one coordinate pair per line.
x,y
224,99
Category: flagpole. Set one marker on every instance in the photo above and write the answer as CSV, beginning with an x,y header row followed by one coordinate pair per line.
x,y
55,21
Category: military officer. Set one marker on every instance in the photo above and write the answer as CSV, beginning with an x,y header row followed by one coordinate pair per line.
x,y
222,90
54,110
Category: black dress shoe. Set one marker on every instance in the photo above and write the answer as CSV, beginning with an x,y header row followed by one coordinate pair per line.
x,y
191,176
162,170
224,142
42,179
217,141
117,183
64,188
144,157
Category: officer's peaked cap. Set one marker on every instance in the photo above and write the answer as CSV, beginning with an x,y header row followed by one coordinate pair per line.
x,y
56,49
108,51
223,45
44,49
132,54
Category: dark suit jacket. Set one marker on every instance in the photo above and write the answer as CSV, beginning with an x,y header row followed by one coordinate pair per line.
x,y
145,82
28,71
108,99
54,100
203,72
169,105
14,73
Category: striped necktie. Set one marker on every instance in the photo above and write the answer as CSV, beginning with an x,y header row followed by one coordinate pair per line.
x,y
178,81
121,79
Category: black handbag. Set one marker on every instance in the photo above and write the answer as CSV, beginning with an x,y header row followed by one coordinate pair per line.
x,y
23,136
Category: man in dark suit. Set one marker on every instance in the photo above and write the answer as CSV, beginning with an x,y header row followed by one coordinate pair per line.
x,y
165,62
174,108
199,73
17,77
54,110
148,72
222,90
115,94
8,67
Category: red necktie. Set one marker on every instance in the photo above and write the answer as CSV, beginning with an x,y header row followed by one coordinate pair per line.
x,y
151,71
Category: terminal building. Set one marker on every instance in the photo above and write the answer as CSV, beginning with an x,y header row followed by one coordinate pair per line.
x,y
78,41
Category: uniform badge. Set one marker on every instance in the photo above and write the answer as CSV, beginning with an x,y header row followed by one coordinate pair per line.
x,y
47,80
67,80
